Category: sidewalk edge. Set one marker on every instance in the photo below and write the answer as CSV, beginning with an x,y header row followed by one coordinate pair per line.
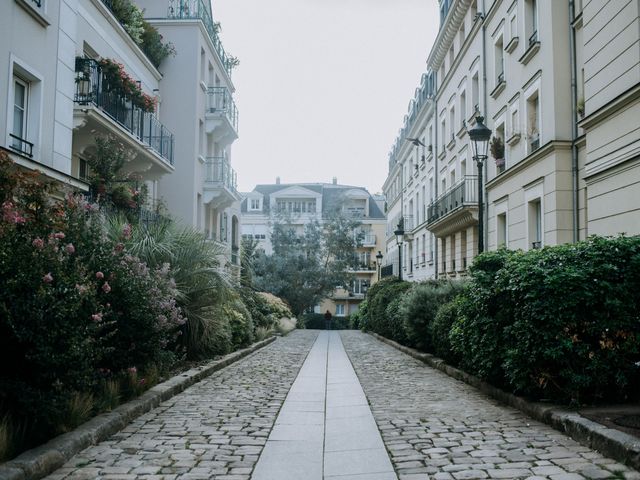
x,y
613,443
43,460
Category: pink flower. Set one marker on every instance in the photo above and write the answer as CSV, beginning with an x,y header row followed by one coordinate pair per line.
x,y
48,278
106,288
99,275
70,249
132,370
126,231
58,235
96,317
119,247
81,288
38,243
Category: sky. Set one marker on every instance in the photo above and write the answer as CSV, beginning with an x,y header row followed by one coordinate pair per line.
x,y
323,85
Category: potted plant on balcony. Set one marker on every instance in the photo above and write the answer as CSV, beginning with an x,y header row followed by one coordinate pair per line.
x,y
497,151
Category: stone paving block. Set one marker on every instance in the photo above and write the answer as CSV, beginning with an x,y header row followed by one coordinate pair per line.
x,y
221,421
412,402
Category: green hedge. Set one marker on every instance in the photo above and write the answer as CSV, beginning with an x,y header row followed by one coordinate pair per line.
x,y
315,321
560,323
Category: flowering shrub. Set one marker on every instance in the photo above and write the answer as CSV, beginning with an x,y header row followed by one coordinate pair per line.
x,y
73,305
118,80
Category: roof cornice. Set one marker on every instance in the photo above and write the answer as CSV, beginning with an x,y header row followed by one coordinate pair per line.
x,y
447,33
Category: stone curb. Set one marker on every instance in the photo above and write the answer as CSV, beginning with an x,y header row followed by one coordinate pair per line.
x,y
43,460
613,443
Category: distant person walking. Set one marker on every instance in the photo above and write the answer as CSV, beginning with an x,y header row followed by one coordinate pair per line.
x,y
327,320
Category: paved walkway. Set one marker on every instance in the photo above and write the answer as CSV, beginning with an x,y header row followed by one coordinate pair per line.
x,y
325,429
297,410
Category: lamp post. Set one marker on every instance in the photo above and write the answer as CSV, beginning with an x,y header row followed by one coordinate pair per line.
x,y
399,233
480,136
379,258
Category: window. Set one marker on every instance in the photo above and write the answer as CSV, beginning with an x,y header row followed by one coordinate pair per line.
x,y
501,162
340,310
255,204
513,26
475,94
535,223
20,109
203,64
531,21
501,230
533,122
499,60
452,122
463,250
463,109
514,129
83,172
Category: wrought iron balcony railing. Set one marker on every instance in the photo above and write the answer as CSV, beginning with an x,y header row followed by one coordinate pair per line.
x,y
21,145
218,171
462,193
92,88
221,102
197,10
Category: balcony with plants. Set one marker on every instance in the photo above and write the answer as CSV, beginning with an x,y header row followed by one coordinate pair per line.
x,y
198,10
108,101
221,115
143,34
220,182
455,209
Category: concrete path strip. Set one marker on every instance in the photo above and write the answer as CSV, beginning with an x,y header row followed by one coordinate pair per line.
x,y
325,429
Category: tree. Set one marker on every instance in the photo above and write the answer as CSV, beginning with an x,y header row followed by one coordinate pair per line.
x,y
306,266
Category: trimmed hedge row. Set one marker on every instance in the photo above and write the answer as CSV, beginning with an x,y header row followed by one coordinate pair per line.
x,y
560,323
316,321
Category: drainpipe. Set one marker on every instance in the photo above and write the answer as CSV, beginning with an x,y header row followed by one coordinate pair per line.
x,y
486,115
435,160
574,121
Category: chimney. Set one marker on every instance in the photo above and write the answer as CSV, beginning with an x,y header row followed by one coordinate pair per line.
x,y
277,180
335,180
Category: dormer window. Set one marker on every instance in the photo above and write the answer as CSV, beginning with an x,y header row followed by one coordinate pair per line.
x,y
255,204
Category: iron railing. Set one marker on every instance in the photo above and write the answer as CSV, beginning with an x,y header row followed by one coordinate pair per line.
x,y
197,10
93,88
368,239
386,271
218,171
220,101
500,78
535,143
38,3
461,194
21,145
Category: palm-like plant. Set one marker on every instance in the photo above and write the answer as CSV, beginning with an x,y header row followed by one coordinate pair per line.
x,y
204,288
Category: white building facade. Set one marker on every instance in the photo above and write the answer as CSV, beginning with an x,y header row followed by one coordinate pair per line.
x,y
535,70
56,99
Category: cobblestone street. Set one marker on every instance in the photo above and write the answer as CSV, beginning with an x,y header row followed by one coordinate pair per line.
x,y
215,429
435,427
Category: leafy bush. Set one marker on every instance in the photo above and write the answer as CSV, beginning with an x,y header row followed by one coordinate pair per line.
x,y
153,46
440,330
560,323
420,307
393,319
378,298
478,336
316,321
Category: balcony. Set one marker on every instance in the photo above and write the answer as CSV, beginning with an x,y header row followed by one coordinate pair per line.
x,y
197,10
103,108
368,240
221,114
21,145
220,183
456,209
532,48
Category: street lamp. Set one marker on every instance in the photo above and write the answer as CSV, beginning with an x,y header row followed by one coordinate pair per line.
x,y
399,233
480,136
379,258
